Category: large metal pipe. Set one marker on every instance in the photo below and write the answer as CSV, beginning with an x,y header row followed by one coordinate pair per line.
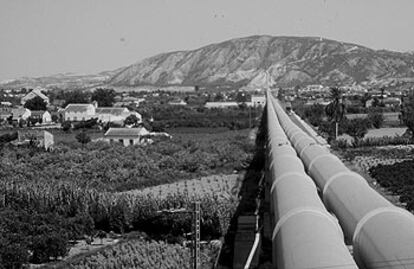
x,y
305,235
381,233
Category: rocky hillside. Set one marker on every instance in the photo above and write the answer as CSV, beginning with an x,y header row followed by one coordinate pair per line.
x,y
264,60
258,61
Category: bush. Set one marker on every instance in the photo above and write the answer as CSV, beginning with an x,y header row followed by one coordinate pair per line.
x,y
340,144
398,178
376,119
88,124
66,125
357,128
51,245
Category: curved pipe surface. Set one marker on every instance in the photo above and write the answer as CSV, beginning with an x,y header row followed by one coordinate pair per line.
x,y
305,235
382,234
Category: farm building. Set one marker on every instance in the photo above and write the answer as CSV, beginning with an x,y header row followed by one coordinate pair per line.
x,y
33,94
79,112
115,114
41,116
258,100
42,138
126,136
20,113
82,112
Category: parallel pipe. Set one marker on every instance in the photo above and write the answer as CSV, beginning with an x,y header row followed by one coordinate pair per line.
x,y
305,235
382,234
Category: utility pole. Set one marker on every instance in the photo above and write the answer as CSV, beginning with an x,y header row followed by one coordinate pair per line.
x,y
250,117
196,235
196,221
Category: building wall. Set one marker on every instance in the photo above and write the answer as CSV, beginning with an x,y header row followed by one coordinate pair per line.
x,y
126,141
46,117
258,101
110,117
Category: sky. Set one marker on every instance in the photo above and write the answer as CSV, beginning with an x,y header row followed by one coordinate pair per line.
x,y
44,37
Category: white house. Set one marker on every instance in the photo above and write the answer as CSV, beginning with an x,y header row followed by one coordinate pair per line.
x,y
44,116
177,103
20,113
258,100
33,94
80,112
115,114
126,136
221,104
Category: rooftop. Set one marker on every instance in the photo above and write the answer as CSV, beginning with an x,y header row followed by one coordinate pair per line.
x,y
111,110
131,132
77,108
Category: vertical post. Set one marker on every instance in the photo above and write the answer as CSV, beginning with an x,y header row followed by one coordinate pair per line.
x,y
250,117
196,235
336,130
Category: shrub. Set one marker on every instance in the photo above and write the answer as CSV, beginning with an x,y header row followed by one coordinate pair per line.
x,y
376,119
66,125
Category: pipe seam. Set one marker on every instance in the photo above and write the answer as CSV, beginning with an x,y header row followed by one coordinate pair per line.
x,y
316,159
304,209
284,176
332,179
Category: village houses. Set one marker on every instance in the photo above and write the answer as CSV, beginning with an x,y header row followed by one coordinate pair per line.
x,y
126,136
82,112
35,92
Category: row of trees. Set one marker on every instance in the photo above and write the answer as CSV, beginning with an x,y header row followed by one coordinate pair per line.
x,y
104,98
331,119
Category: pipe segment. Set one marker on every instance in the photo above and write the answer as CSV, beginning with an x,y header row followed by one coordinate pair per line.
x,y
382,234
305,234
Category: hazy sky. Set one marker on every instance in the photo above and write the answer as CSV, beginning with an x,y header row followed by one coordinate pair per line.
x,y
40,37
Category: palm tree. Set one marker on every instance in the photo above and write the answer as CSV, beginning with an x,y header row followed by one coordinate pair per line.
x,y
335,110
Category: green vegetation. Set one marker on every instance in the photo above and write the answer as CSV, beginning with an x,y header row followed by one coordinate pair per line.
x,y
71,192
167,116
104,97
143,254
408,113
399,179
36,103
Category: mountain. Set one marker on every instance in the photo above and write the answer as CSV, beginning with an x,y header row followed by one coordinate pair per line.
x,y
265,60
60,81
259,61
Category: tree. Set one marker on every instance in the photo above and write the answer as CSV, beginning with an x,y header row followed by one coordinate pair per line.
x,y
407,113
365,98
131,120
83,138
66,125
218,97
376,118
76,97
357,128
241,97
36,103
280,94
335,110
104,97
50,245
13,255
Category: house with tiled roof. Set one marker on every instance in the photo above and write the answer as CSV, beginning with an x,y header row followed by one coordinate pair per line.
x,y
41,116
80,112
20,113
83,112
33,94
115,114
126,136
